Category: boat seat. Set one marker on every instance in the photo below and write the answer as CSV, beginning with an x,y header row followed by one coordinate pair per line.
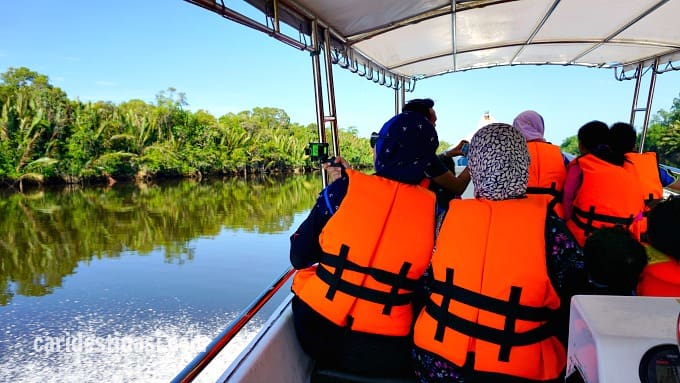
x,y
326,375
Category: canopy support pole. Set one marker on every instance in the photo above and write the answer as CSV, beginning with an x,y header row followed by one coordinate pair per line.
x,y
399,95
321,118
636,93
332,117
648,104
650,96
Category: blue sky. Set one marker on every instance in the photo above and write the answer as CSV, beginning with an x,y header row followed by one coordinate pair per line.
x,y
126,49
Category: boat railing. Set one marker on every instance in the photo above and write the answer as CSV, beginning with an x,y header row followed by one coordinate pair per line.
x,y
191,371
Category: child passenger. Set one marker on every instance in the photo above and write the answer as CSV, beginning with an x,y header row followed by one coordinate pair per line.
x,y
613,261
661,276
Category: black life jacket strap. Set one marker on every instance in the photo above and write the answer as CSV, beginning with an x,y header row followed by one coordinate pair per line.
x,y
511,310
650,202
334,280
552,190
590,216
394,291
361,292
396,282
506,338
443,310
487,303
400,281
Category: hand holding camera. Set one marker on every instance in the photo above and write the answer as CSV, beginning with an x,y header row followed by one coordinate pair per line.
x,y
318,152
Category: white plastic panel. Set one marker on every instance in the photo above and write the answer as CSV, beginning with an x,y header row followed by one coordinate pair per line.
x,y
503,24
416,42
608,335
618,54
355,16
543,53
660,26
590,20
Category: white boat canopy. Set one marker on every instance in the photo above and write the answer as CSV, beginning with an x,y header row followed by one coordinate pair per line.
x,y
388,40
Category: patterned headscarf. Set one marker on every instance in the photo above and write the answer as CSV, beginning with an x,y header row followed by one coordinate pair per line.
x,y
499,162
530,124
406,146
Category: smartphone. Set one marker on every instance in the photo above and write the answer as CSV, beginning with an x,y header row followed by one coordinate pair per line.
x,y
465,149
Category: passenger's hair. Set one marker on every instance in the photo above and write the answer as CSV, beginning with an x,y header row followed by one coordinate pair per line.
x,y
595,137
662,227
614,259
623,137
420,105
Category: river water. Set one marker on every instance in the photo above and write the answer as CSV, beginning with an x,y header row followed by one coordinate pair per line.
x,y
130,283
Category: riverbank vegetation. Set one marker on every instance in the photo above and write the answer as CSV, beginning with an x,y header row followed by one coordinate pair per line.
x,y
45,137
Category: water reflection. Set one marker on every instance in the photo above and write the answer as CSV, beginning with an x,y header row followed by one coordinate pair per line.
x,y
130,281
45,234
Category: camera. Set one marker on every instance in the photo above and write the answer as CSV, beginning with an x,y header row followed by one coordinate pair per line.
x,y
317,151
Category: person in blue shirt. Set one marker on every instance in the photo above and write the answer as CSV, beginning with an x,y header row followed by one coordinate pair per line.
x,y
352,210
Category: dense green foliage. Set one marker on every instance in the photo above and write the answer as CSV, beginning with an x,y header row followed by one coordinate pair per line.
x,y
45,137
663,136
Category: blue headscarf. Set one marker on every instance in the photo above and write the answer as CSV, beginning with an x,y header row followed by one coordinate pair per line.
x,y
406,146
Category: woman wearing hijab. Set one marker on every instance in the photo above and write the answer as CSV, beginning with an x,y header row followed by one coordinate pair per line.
x,y
493,312
547,166
361,252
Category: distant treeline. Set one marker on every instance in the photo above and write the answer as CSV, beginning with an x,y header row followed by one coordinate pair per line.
x,y
663,136
47,138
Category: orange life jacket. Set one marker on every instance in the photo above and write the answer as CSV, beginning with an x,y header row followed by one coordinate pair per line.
x,y
646,169
492,294
546,173
375,248
546,168
661,276
609,195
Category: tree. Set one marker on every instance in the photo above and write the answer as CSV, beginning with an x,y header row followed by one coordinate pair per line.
x,y
663,135
33,118
24,77
570,145
44,135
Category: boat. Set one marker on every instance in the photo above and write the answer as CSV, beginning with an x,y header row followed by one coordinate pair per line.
x,y
397,43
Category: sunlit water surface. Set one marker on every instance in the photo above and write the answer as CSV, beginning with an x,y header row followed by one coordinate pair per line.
x,y
140,316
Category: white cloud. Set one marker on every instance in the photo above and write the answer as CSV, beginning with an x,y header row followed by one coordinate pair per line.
x,y
105,83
